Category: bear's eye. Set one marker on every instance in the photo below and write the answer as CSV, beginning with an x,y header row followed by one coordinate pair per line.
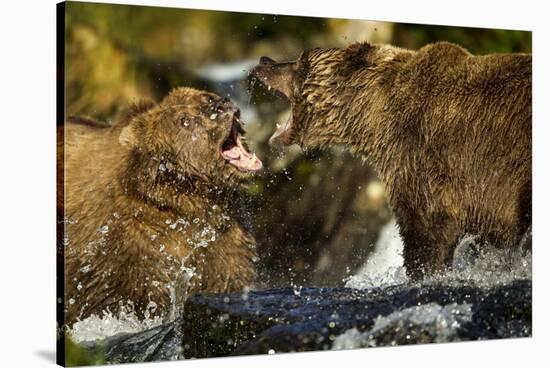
x,y
185,122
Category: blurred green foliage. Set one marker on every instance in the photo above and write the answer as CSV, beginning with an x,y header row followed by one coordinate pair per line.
x,y
75,355
117,53
476,40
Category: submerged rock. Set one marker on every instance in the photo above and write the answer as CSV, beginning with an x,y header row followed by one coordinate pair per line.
x,y
288,320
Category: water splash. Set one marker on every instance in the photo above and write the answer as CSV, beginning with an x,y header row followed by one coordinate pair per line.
x,y
476,264
127,321
425,323
384,266
97,327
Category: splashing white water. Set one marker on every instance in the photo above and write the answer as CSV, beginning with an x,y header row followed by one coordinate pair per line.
x,y
441,322
490,267
385,265
481,264
96,328
126,321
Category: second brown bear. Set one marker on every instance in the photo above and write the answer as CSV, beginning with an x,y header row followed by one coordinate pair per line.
x,y
448,132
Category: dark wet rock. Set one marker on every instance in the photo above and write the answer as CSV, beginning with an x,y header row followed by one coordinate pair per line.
x,y
159,343
287,320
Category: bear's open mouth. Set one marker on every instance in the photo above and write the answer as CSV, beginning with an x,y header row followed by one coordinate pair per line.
x,y
235,153
283,133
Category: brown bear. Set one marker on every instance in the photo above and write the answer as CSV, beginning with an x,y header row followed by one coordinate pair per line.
x,y
449,134
151,198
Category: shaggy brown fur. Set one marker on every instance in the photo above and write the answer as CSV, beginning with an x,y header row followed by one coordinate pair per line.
x,y
149,199
448,132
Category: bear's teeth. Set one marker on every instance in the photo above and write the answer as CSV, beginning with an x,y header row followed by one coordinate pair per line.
x,y
278,125
252,161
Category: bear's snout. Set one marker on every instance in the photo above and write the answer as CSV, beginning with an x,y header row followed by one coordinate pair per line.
x,y
226,106
264,60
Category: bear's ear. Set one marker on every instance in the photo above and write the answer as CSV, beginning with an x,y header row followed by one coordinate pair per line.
x,y
127,136
130,119
134,109
358,55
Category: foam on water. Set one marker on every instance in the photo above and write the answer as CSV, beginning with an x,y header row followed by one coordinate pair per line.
x,y
429,322
480,264
96,327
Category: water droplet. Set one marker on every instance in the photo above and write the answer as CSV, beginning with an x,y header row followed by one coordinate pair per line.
x,y
86,268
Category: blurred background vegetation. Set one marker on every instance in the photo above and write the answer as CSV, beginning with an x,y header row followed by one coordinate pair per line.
x,y
317,215
78,356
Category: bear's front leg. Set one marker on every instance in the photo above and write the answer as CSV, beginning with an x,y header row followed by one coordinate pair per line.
x,y
428,246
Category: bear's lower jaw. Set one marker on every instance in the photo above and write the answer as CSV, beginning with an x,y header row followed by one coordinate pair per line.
x,y
234,152
239,157
282,136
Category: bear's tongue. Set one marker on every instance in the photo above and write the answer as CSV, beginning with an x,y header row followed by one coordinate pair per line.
x,y
239,157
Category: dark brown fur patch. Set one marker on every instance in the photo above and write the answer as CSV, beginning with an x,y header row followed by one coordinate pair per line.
x,y
357,55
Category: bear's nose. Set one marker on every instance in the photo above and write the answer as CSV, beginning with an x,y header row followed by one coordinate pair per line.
x,y
264,60
223,105
226,106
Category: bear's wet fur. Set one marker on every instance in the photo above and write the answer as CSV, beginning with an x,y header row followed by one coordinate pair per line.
x,y
148,200
448,132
